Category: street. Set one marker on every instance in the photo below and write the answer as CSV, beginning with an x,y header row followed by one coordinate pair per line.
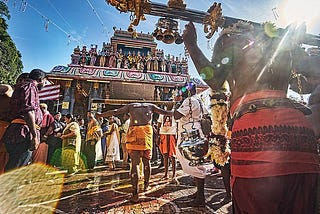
x,y
39,189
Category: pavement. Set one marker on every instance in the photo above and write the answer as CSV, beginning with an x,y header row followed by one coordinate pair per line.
x,y
40,189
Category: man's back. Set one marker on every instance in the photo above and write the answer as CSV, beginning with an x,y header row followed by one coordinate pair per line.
x,y
25,98
140,114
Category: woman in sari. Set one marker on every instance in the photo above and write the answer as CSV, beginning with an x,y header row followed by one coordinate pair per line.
x,y
113,142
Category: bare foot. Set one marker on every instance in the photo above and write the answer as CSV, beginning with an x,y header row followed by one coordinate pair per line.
x,y
164,178
134,199
174,181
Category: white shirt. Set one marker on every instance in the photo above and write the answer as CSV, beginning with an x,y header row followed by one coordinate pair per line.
x,y
185,122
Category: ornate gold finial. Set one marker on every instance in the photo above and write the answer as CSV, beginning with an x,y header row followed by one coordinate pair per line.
x,y
177,4
241,27
213,20
138,7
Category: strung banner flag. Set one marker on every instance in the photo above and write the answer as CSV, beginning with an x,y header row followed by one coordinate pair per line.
x,y
49,92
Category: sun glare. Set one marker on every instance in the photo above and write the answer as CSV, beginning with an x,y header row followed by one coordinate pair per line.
x,y
296,11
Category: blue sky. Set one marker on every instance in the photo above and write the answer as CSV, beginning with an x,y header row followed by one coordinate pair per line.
x,y
91,22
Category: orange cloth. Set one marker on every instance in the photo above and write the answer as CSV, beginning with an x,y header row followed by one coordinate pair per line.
x,y
272,142
40,154
23,122
168,144
139,138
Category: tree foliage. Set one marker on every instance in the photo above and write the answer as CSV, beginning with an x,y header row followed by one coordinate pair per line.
x,y
10,58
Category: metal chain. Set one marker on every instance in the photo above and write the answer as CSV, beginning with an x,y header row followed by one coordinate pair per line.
x,y
191,120
298,76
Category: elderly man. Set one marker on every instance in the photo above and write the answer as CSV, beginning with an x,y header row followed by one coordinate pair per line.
x,y
139,139
275,163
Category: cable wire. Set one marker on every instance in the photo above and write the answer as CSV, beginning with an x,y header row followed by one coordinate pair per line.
x,y
49,20
95,12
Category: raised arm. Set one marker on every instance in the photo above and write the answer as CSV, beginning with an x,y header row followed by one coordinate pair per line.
x,y
118,111
158,110
211,72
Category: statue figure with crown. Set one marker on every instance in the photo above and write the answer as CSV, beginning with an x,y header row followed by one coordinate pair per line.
x,y
75,56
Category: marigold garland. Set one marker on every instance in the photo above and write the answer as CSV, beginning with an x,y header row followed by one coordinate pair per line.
x,y
219,149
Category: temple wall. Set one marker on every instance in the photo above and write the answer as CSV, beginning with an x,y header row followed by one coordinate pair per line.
x,y
131,91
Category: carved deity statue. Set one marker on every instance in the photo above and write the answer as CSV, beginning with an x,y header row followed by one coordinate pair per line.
x,y
75,57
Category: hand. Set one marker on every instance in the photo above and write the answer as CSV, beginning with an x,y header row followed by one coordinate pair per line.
x,y
58,135
189,35
44,138
34,144
158,141
98,115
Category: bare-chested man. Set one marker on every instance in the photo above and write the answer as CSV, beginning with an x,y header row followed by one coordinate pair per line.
x,y
274,162
139,139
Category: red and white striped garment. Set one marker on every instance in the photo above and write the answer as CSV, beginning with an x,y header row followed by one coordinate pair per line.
x,y
49,92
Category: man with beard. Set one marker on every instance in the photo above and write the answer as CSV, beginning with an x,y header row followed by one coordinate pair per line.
x,y
23,136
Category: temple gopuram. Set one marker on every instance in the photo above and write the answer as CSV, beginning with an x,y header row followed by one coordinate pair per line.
x,y
128,69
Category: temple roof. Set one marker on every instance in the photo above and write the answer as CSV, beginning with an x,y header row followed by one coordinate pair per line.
x,y
104,74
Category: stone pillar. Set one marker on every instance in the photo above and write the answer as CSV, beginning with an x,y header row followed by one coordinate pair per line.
x,y
73,98
66,98
94,94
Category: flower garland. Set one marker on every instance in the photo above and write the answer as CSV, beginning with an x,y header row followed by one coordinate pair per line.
x,y
219,148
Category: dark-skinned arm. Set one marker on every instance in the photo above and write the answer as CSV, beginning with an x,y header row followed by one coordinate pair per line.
x,y
202,64
30,120
158,110
109,113
177,115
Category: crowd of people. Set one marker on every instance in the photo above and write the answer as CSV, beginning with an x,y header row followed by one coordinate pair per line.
x,y
135,60
32,134
274,161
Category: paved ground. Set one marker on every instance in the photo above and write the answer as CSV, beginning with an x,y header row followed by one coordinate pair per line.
x,y
37,189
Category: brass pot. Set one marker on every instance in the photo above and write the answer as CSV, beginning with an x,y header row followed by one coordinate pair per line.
x,y
193,147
